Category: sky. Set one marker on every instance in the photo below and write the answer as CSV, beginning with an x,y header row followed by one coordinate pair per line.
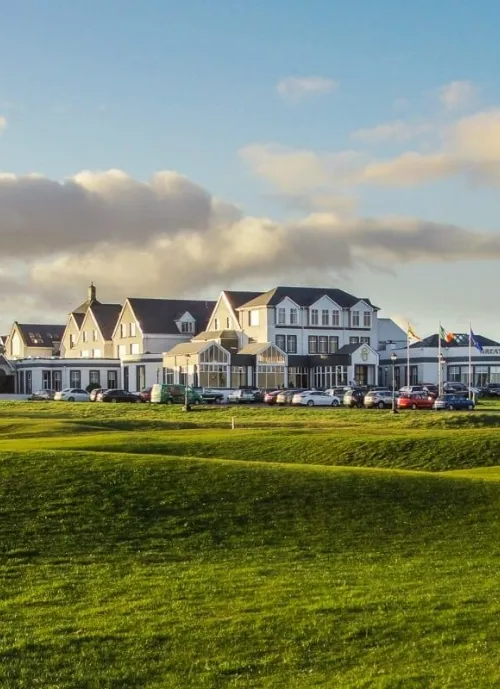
x,y
172,149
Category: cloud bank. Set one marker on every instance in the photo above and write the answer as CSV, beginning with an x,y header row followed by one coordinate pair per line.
x,y
169,237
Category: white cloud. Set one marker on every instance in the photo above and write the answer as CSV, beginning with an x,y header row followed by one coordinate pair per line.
x,y
397,131
294,89
169,237
458,94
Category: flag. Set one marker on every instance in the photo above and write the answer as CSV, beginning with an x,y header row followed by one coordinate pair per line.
x,y
447,337
475,342
412,335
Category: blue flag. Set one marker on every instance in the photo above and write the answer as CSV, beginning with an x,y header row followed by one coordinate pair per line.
x,y
475,342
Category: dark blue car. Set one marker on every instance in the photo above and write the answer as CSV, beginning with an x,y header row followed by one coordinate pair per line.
x,y
451,402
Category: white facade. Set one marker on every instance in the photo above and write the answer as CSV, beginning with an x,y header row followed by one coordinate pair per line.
x,y
57,374
139,372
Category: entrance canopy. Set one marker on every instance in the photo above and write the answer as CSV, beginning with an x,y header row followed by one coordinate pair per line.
x,y
196,352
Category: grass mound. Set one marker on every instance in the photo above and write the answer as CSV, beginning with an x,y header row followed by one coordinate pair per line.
x,y
123,570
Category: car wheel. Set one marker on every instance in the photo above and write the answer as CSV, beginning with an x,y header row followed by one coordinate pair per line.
x,y
451,407
310,403
138,401
71,399
196,402
359,405
380,405
413,406
169,402
470,407
335,403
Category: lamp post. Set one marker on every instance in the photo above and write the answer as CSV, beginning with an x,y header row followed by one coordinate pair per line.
x,y
393,361
187,406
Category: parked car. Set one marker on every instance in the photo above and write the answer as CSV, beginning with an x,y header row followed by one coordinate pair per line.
x,y
93,394
338,392
212,396
492,390
42,396
174,394
270,397
411,389
417,400
245,396
457,388
451,401
354,398
115,395
145,394
315,398
286,396
380,399
72,395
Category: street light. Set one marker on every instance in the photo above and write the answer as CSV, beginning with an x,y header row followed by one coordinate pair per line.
x,y
187,406
393,360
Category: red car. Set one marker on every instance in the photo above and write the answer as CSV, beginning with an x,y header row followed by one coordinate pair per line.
x,y
270,397
145,395
417,400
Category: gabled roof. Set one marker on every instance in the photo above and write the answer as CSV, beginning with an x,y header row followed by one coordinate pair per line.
x,y
461,340
6,363
304,296
159,316
217,335
188,348
237,299
106,316
36,335
349,348
79,317
254,348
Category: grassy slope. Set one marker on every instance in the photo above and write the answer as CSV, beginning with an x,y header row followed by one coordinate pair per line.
x,y
121,570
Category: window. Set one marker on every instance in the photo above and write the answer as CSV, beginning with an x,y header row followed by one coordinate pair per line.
x,y
122,350
314,317
364,340
323,344
212,375
333,344
125,378
291,344
134,348
85,336
96,354
29,382
94,335
313,344
281,342
228,323
112,380
140,377
281,316
367,319
494,374
168,376
335,319
132,330
186,327
75,379
57,380
123,330
325,317
294,317
72,339
354,340
253,318
216,323
355,319
95,378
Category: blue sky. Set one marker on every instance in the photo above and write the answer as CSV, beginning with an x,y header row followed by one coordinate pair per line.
x,y
147,85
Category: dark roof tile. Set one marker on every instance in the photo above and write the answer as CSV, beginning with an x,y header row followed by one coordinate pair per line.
x,y
460,340
304,296
160,315
106,316
36,335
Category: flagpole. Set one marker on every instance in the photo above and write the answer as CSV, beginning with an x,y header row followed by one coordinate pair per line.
x,y
439,360
408,355
470,361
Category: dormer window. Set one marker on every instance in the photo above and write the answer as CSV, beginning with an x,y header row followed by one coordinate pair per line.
x,y
187,327
336,318
281,316
355,319
314,317
294,318
367,319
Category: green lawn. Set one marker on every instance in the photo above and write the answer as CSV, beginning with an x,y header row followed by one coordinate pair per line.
x,y
145,547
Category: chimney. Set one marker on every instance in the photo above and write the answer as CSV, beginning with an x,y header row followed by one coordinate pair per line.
x,y
92,292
